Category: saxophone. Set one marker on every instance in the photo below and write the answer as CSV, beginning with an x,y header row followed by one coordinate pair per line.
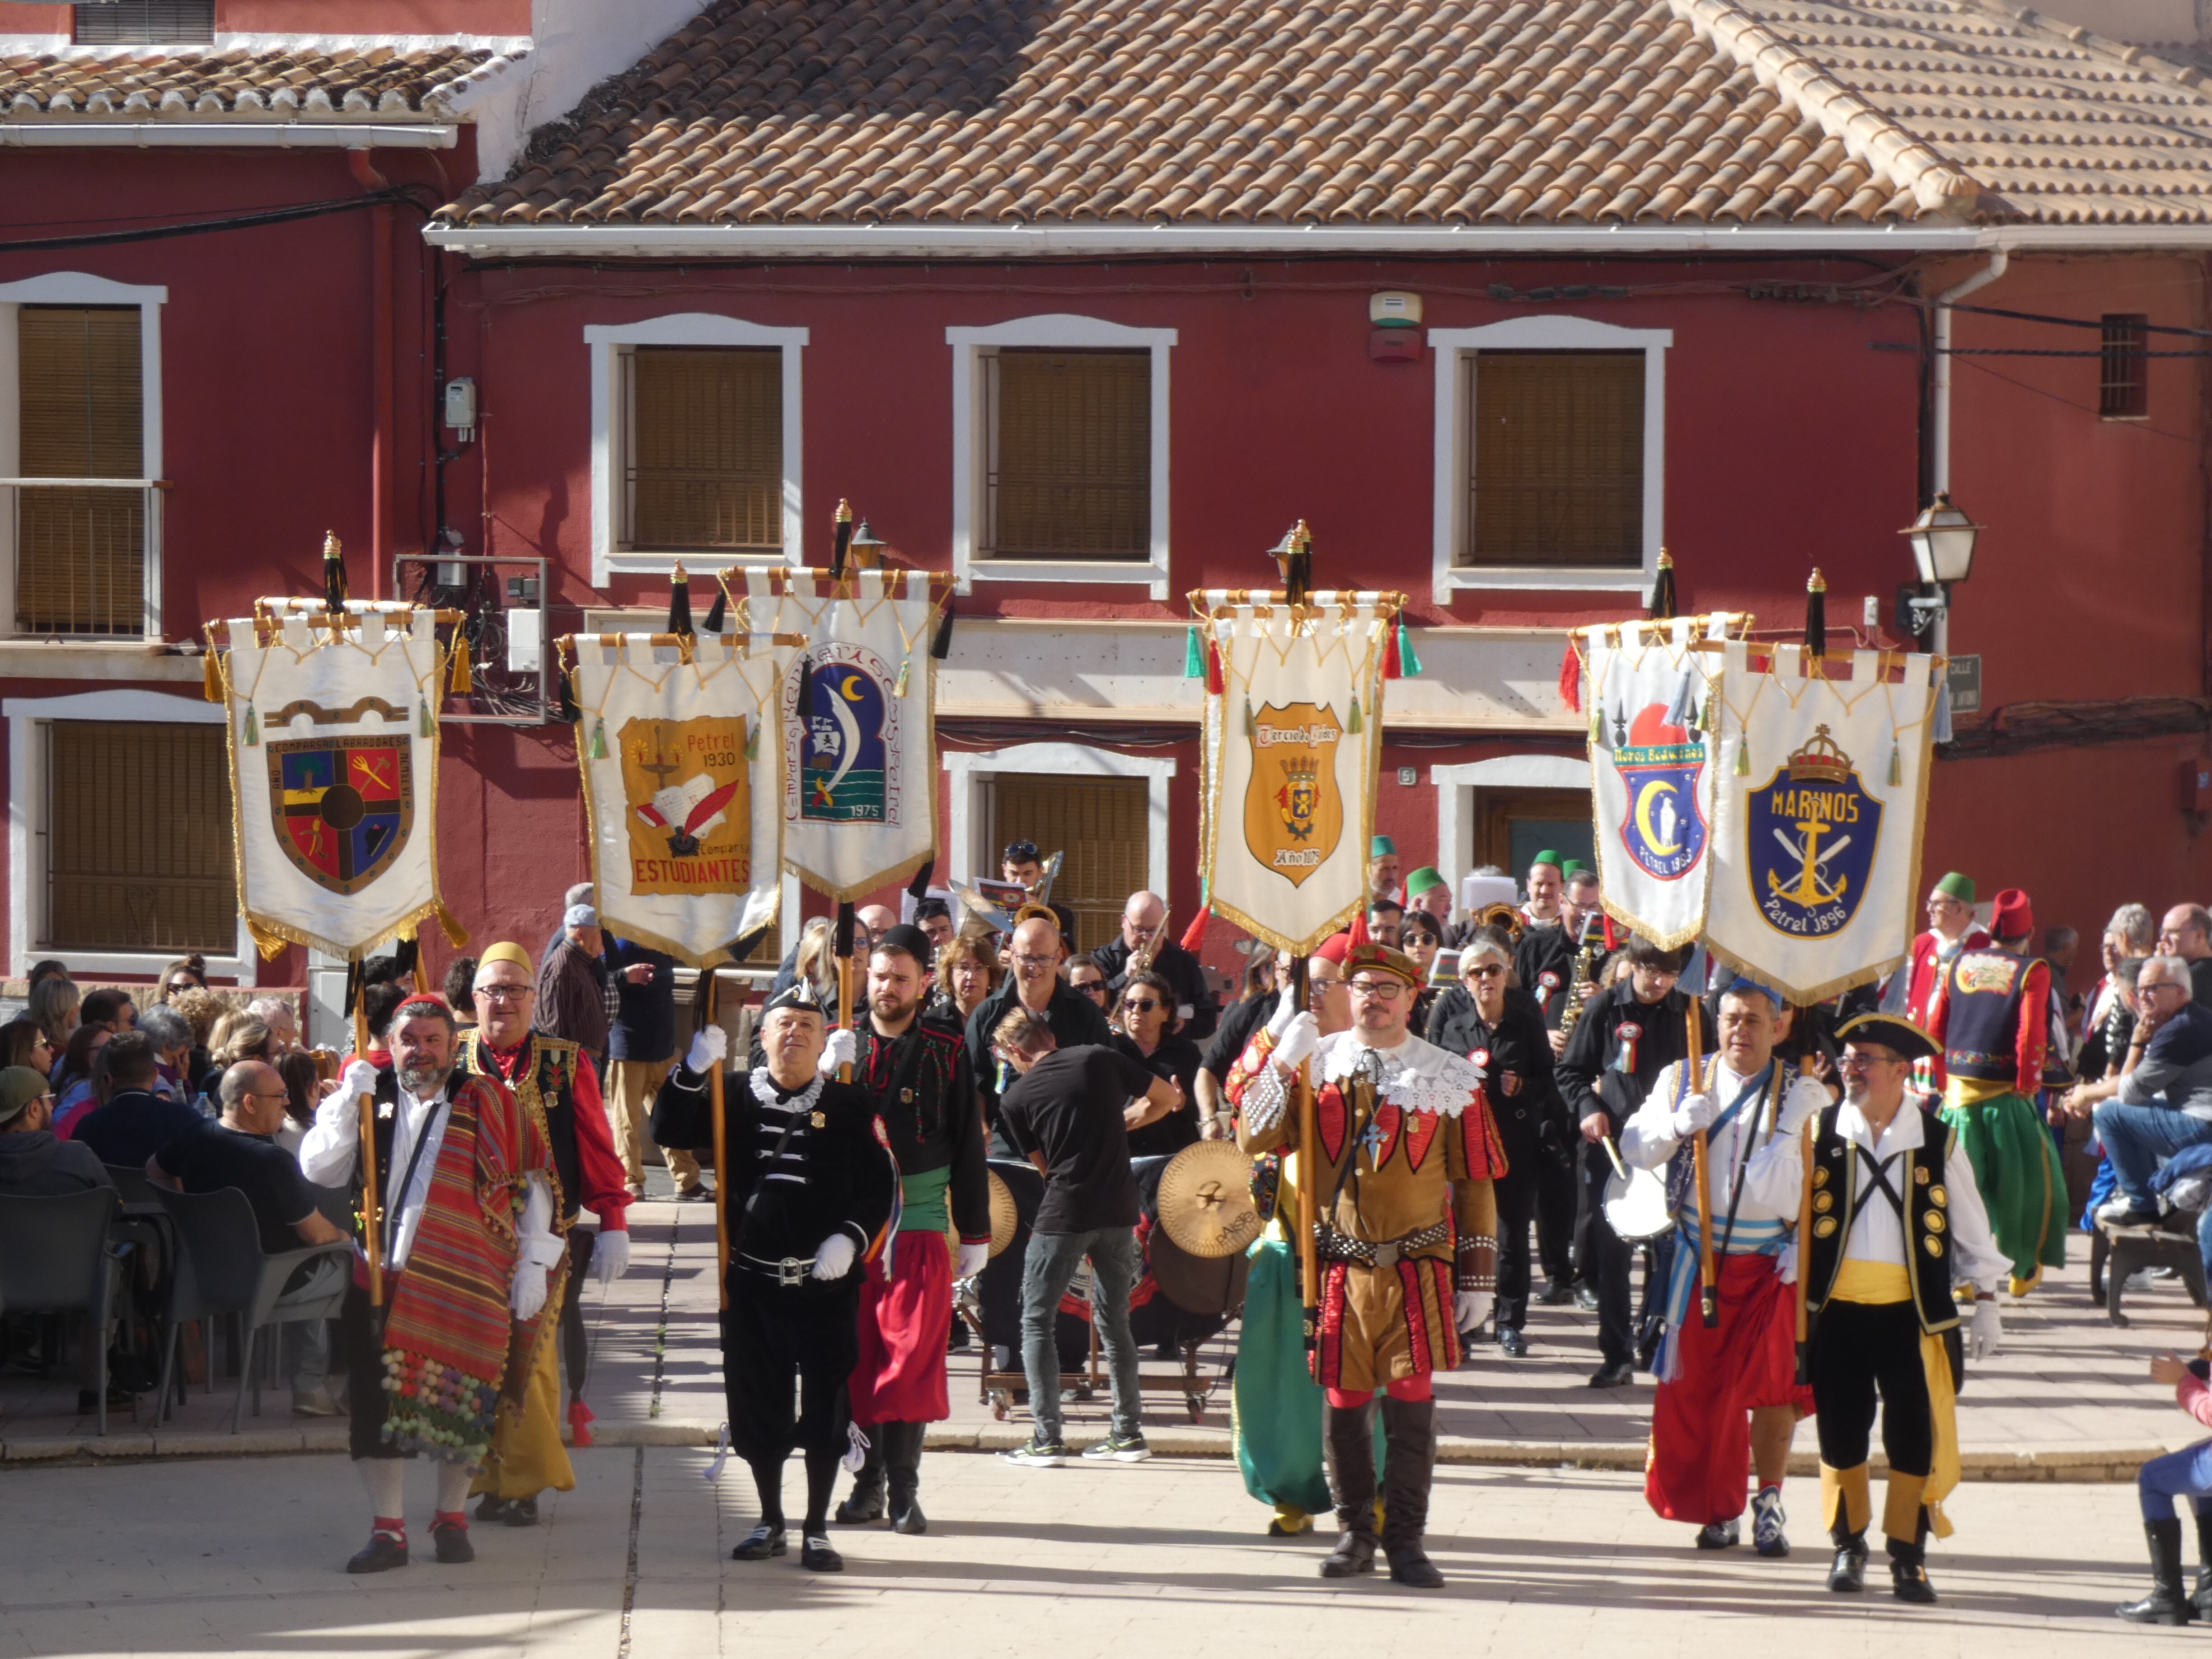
x,y
1585,968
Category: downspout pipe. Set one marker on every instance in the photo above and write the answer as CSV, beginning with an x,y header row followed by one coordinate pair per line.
x,y
381,444
1940,436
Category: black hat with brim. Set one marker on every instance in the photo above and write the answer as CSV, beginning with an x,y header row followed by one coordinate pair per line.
x,y
800,994
1892,1032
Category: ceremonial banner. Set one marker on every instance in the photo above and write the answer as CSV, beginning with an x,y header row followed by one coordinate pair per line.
x,y
859,764
1293,737
684,795
333,773
1816,844
1651,776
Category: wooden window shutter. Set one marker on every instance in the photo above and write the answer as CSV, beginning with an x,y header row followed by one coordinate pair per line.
x,y
1555,463
1102,825
1071,436
2124,381
705,448
168,22
79,554
139,841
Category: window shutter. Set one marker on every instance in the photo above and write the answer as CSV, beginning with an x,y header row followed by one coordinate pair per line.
x,y
2124,380
169,22
706,447
1556,458
79,554
1071,445
139,841
1102,825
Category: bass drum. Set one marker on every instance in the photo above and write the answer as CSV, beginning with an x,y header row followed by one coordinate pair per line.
x,y
1180,1297
1636,1206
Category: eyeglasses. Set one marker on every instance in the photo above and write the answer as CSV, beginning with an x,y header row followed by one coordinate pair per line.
x,y
1140,1007
503,993
2144,987
1090,987
285,1096
1381,990
1025,960
1853,1061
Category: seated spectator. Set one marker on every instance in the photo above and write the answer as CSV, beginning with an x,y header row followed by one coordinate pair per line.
x,y
23,1043
53,1009
304,1088
134,1122
283,1024
46,968
458,987
1148,1031
202,1010
109,1008
184,973
34,1161
236,1037
73,1079
2186,932
2163,1099
172,1035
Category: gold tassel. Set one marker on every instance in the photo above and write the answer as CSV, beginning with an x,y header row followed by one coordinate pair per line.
x,y
252,728
210,676
1352,722
752,741
1896,763
1251,725
1743,759
423,708
462,683
598,749
899,690
455,933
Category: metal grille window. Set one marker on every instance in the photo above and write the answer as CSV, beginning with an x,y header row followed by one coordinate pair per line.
x,y
2123,382
138,843
1070,435
704,448
170,22
1102,825
1555,459
80,548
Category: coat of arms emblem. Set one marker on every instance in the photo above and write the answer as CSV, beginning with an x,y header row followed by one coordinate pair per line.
x,y
1293,813
1812,831
848,739
343,807
1660,765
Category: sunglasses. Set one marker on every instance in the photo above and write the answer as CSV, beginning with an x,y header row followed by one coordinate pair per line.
x,y
1090,987
1140,1007
1487,970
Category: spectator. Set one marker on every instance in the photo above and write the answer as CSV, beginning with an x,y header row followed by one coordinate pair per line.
x,y
1035,984
1259,976
815,960
875,920
283,1024
23,1043
2130,932
582,893
304,1089
240,1151
34,1161
1386,921
184,973
378,1004
1141,918
53,1007
1070,1112
1420,936
134,1122
458,987
236,1037
171,1034
2102,1056
966,973
202,1011
46,968
934,917
73,1088
1149,1033
1088,979
2163,1100
572,997
109,1008
2187,932
642,1043
1248,1014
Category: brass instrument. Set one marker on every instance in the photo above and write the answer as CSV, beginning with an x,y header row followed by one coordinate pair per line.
x,y
1141,958
1507,916
1584,970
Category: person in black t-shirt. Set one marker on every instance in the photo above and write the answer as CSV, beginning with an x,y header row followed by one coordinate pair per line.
x,y
1070,1113
239,1152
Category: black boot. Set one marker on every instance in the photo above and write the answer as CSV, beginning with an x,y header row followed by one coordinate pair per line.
x,y
866,1502
1908,1573
1348,1441
1849,1572
1409,1449
902,1465
2202,1600
2165,1604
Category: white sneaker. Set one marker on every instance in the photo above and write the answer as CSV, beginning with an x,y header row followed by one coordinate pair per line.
x,y
318,1402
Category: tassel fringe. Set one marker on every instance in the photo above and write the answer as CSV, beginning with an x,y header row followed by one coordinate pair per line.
x,y
462,681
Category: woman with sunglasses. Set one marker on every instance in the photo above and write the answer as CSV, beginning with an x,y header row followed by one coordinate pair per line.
x,y
1421,936
1488,1017
1146,1029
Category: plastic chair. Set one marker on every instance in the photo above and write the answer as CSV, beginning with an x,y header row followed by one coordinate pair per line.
x,y
56,1257
132,1183
230,1273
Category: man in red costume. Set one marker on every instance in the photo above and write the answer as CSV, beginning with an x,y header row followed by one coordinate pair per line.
x,y
1911,995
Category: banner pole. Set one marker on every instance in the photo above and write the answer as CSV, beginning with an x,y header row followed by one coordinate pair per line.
x,y
1708,1305
1301,991
371,1219
720,1131
846,923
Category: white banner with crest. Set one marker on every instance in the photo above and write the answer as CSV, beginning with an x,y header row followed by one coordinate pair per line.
x,y
1824,792
1292,739
681,757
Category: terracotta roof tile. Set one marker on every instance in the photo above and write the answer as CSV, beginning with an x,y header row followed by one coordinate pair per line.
x,y
340,83
1370,112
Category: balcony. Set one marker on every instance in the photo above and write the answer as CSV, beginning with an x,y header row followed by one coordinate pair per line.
x,y
82,558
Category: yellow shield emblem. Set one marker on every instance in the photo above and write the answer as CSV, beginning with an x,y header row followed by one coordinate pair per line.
x,y
688,805
1293,813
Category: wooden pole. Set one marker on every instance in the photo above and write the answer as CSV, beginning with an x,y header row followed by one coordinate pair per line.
x,y
720,1131
1309,1155
372,1220
1709,1302
1804,1241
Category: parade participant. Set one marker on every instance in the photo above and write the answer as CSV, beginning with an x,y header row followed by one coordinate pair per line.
x,y
1147,1032
1381,867
1731,1388
1023,865
1629,1032
556,1087
2183,1474
464,1234
1991,1017
1546,882
912,1068
1886,1225
810,1188
1405,1238
1427,890
1142,917
1910,994
1501,1033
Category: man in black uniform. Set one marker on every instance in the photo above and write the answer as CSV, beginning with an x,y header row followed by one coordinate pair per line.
x,y
1544,962
1628,1034
914,1068
809,1189
1194,1001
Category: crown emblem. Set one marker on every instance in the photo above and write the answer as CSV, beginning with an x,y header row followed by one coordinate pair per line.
x,y
1301,769
1820,761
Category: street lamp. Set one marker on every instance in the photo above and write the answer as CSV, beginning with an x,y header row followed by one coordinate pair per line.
x,y
866,547
1943,548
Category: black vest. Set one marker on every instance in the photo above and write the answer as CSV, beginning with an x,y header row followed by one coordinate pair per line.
x,y
1981,1020
1837,1181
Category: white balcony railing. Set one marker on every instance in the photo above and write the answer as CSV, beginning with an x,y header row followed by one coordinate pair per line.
x,y
82,558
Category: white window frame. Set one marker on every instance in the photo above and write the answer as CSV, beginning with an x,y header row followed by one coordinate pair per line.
x,y
969,768
971,448
27,718
608,341
1452,347
78,287
1455,786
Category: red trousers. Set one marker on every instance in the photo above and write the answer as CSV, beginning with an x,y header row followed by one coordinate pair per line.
x,y
904,1321
1700,1422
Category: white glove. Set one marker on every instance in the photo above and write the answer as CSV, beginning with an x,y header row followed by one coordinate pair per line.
x,y
358,1079
708,1049
1987,1334
834,1257
1299,1039
1695,1113
840,1049
528,1298
1287,1009
974,1258
610,1255
334,1111
1470,1308
1798,1105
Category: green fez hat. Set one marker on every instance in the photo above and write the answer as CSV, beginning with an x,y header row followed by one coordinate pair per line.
x,y
1422,880
1572,865
1381,847
1959,887
1547,856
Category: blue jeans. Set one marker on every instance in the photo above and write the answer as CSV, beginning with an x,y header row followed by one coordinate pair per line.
x,y
1046,1272
2184,1473
2136,1137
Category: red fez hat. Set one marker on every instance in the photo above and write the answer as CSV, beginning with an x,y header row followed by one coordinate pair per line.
x,y
1332,948
2010,916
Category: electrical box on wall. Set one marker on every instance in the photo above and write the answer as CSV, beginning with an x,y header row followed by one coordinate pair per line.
x,y
461,409
1393,335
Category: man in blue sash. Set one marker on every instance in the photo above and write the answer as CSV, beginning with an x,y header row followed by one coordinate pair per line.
x,y
1728,1388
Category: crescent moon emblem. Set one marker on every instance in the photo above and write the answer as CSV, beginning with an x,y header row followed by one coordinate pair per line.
x,y
848,688
1645,799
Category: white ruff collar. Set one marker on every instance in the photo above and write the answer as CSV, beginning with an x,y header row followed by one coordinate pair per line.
x,y
1416,1076
764,1091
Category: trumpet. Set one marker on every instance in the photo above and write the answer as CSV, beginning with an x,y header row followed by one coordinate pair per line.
x,y
1141,958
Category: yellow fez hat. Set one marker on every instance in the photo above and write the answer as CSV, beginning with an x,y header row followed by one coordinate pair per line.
x,y
505,951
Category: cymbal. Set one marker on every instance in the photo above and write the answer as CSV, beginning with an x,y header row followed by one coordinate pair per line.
x,y
1205,1200
1004,1218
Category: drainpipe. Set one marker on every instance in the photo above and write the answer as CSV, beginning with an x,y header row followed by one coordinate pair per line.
x,y
1940,443
381,391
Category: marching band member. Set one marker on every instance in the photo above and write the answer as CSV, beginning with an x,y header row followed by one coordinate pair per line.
x,y
1711,1379
1890,1220
1406,1236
